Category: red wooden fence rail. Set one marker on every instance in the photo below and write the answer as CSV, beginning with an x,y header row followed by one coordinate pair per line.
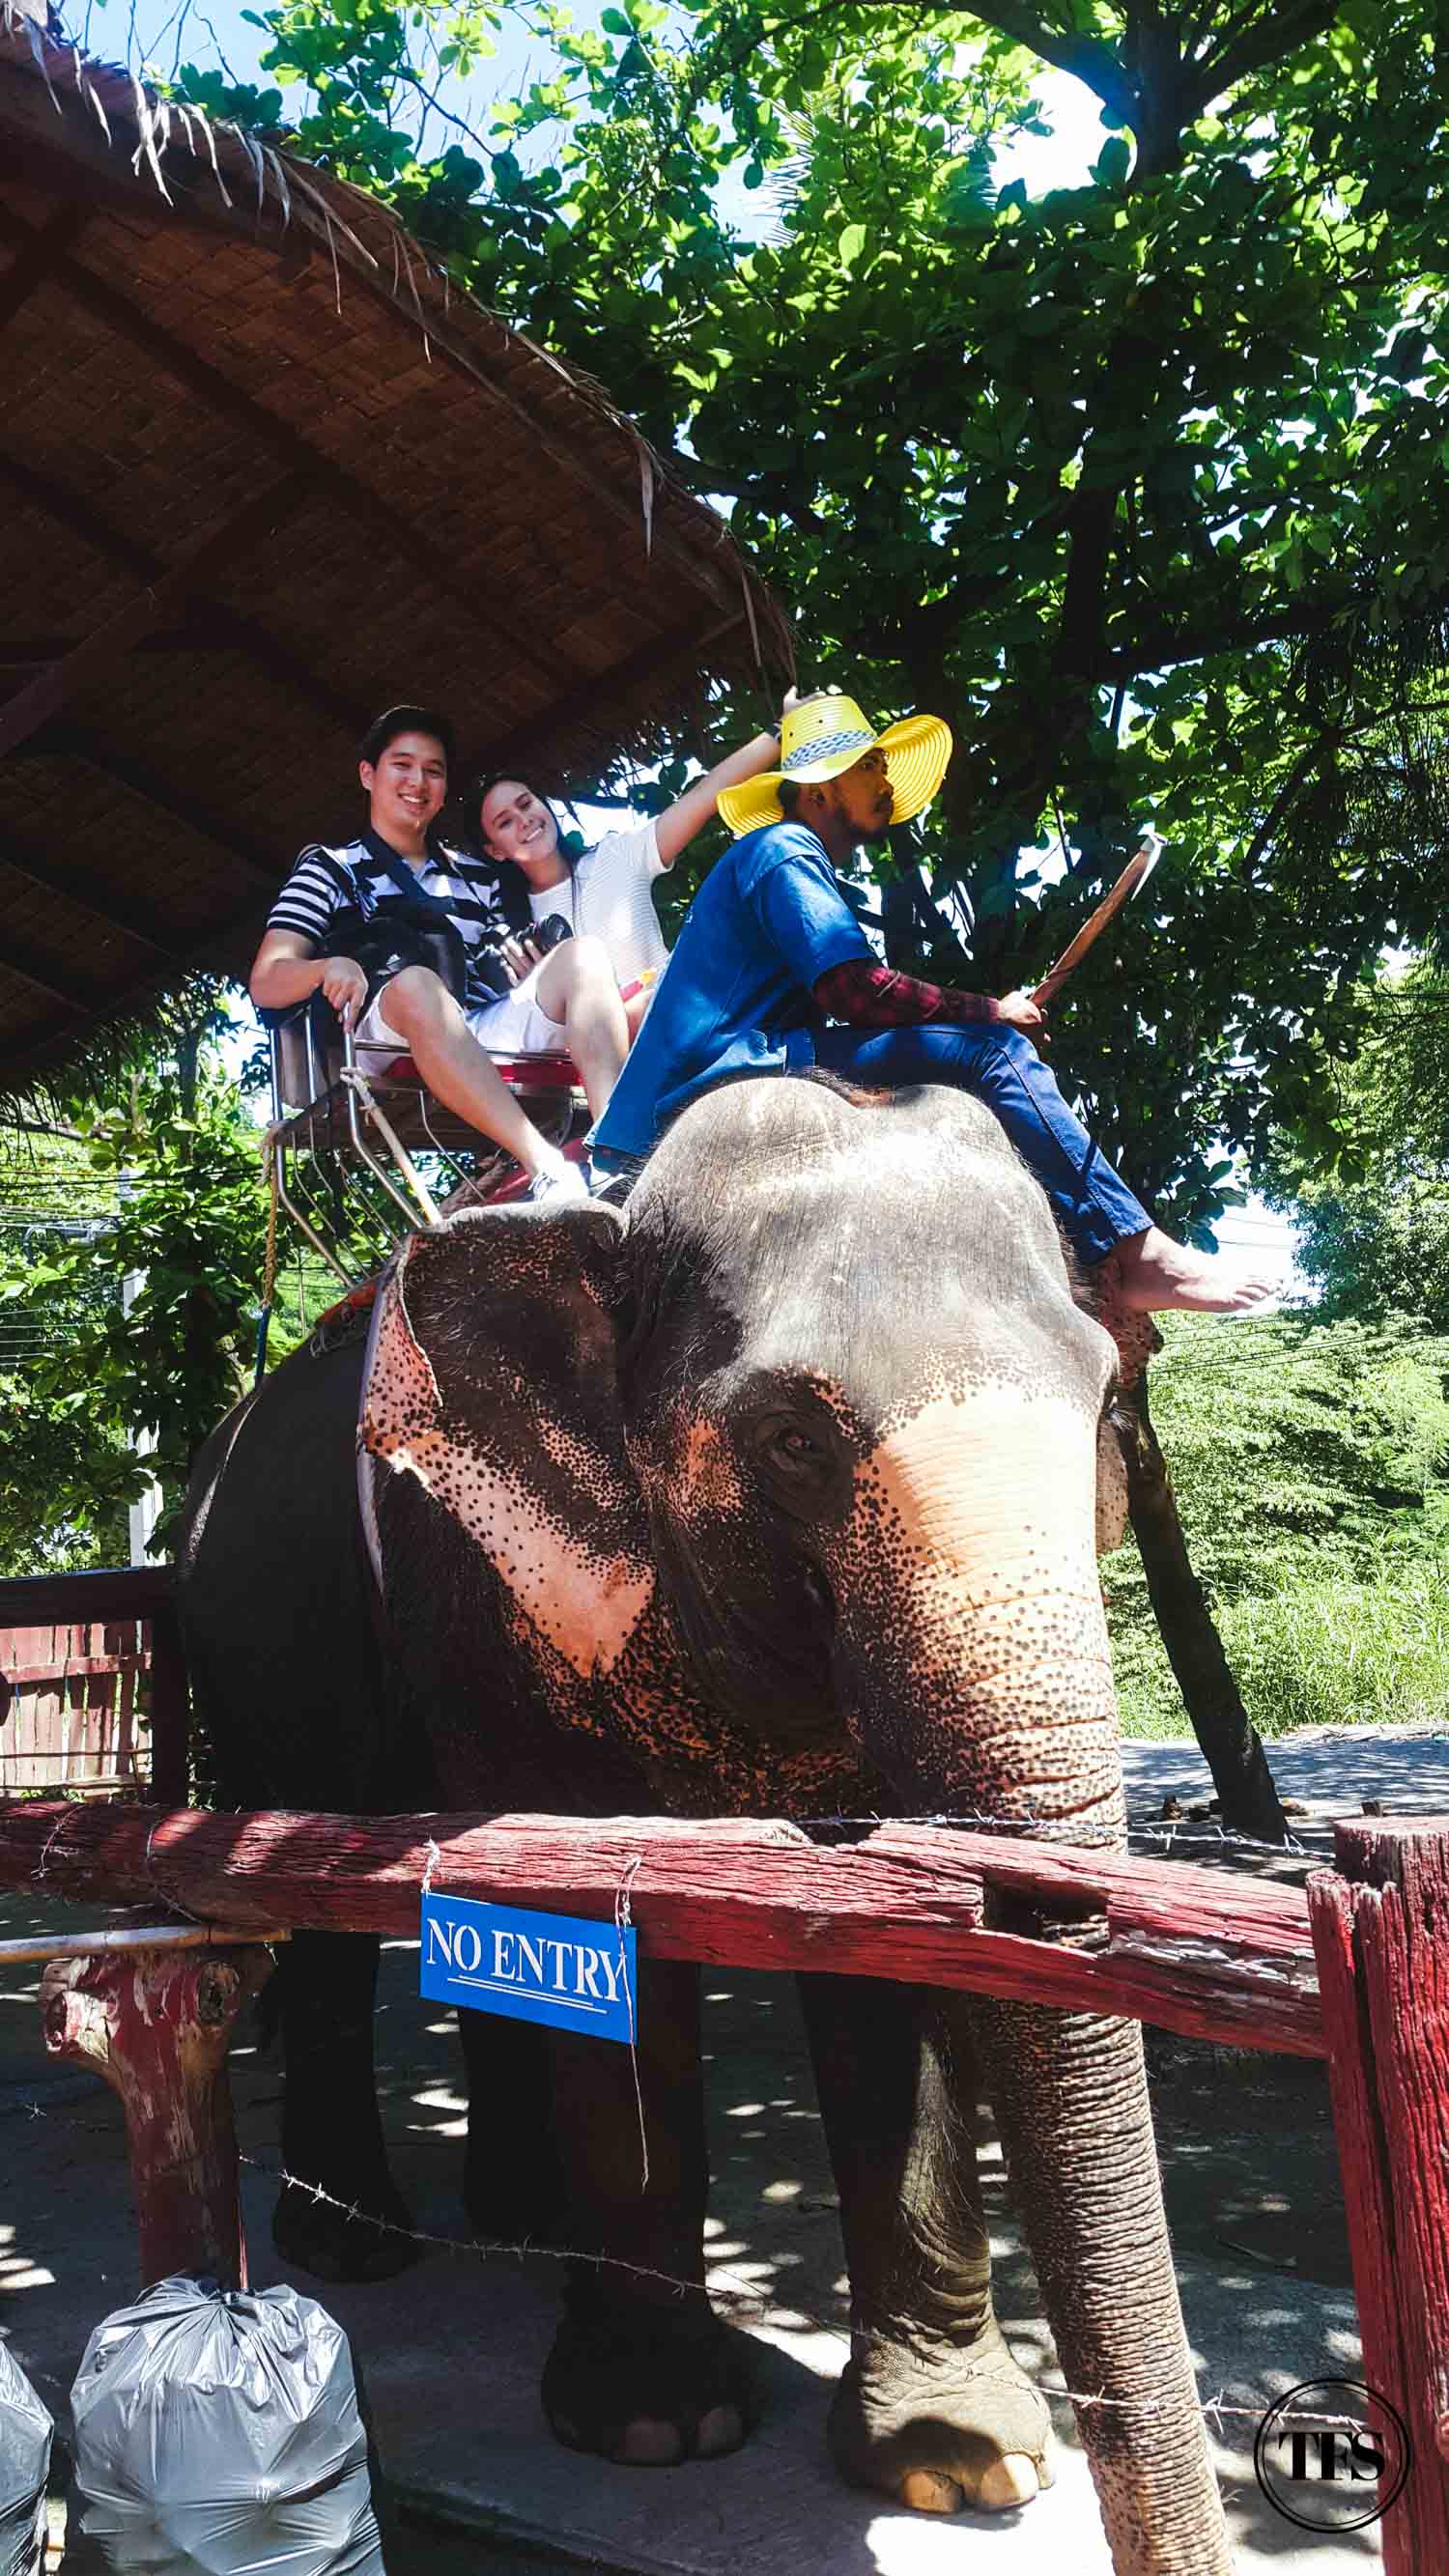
x,y
94,1635
1215,1957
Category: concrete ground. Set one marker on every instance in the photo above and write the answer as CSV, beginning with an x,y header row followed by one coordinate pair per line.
x,y
452,2350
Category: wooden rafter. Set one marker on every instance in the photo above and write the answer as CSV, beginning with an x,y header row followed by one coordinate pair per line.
x,y
30,1054
80,742
199,635
681,643
86,892
231,631
33,262
35,705
19,958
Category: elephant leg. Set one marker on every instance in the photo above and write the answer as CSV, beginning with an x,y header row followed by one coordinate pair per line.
x,y
331,2128
512,2188
1071,2094
641,2370
932,2408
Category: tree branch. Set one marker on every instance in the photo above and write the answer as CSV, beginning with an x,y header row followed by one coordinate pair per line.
x,y
1277,33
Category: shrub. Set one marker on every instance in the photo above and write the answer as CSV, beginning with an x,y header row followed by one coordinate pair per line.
x,y
1311,1463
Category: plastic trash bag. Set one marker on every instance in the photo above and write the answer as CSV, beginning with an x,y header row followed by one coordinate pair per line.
x,y
25,2431
217,2433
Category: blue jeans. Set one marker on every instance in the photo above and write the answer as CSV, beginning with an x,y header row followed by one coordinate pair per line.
x,y
1094,1206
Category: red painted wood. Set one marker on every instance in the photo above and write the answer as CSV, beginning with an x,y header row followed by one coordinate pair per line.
x,y
157,2025
1381,1936
1193,1950
112,1592
76,1667
72,1690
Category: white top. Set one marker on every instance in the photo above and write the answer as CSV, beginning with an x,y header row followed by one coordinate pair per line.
x,y
612,901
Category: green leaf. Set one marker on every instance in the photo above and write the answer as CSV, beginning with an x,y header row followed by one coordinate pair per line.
x,y
1113,162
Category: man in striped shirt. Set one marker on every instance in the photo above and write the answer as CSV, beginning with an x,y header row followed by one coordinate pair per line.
x,y
568,1000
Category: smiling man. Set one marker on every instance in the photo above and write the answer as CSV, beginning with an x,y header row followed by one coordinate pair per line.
x,y
771,955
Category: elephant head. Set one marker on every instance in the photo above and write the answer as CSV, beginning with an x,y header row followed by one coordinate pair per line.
x,y
792,1476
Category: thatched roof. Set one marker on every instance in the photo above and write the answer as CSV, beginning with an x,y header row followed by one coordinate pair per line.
x,y
261,474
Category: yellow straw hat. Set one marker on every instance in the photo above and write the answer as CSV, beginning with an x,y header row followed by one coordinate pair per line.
x,y
827,734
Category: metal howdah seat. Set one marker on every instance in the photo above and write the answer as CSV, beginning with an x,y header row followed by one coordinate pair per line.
x,y
349,1121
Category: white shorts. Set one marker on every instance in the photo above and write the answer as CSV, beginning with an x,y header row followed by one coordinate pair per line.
x,y
514,1025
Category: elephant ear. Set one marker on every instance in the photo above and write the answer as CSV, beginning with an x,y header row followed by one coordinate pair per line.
x,y
493,1379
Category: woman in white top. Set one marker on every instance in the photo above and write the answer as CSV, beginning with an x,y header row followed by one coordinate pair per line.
x,y
605,894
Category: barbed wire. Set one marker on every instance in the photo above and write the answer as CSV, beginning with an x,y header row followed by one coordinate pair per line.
x,y
718,2287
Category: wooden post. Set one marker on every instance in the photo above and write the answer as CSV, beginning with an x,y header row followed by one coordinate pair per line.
x,y
1380,1924
170,1703
157,2026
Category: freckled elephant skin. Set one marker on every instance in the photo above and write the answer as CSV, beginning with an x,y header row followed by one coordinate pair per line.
x,y
775,1493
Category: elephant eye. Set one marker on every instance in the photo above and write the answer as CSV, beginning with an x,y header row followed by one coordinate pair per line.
x,y
796,1444
793,1452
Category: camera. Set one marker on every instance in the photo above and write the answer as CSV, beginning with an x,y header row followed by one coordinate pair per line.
x,y
550,932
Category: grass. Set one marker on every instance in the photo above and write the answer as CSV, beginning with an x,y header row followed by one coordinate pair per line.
x,y
1311,1464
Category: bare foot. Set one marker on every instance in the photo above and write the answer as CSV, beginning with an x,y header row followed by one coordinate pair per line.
x,y
1155,1274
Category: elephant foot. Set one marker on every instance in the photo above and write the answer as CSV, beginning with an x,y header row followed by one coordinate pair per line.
x,y
938,2427
367,2241
647,2388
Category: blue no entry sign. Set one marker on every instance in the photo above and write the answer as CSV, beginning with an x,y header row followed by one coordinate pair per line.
x,y
552,1968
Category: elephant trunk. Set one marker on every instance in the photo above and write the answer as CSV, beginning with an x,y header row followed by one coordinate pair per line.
x,y
1094,2220
978,1674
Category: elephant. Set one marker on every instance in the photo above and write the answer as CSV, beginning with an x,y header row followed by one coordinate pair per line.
x,y
775,1490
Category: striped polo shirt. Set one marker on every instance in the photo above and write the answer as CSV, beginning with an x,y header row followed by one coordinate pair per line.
x,y
362,876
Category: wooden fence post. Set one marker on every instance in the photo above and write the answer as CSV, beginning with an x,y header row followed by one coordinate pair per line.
x,y
1380,1922
157,2025
170,1710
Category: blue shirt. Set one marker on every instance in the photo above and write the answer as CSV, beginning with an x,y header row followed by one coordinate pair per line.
x,y
767,923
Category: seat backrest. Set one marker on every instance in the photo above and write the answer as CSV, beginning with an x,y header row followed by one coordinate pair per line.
x,y
295,1084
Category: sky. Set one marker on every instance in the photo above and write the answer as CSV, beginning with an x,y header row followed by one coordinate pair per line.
x,y
217,34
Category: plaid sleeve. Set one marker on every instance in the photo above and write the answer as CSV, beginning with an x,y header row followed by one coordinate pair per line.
x,y
314,893
866,995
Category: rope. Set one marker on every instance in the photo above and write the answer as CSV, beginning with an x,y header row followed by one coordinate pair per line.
x,y
621,1926
354,1075
269,1258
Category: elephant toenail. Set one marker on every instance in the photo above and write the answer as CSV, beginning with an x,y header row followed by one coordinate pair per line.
x,y
721,2429
927,2491
1009,2481
650,2443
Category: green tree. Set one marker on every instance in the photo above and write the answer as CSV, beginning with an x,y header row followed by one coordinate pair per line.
x,y
1373,1229
169,1174
67,1479
1313,1461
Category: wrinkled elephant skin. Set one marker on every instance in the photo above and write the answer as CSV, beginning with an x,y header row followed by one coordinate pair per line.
x,y
777,1492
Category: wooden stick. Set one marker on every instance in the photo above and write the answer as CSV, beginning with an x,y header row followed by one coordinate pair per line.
x,y
1193,1950
154,1936
1139,867
1381,1935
